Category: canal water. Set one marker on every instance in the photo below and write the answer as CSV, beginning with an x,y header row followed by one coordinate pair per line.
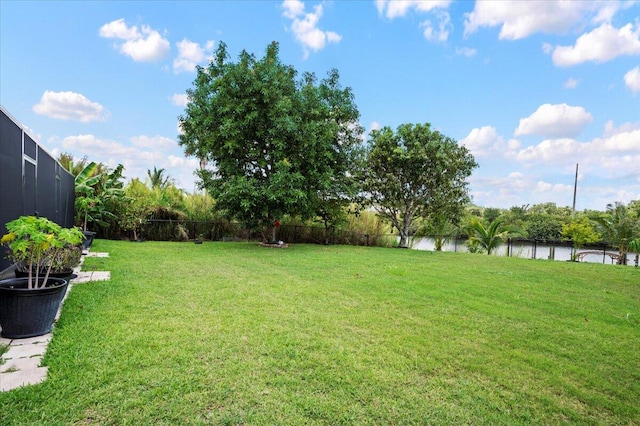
x,y
528,249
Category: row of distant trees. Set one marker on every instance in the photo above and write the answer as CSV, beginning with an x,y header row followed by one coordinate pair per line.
x,y
618,225
119,209
279,145
274,145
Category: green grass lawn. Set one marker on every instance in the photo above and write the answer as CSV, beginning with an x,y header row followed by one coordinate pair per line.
x,y
231,333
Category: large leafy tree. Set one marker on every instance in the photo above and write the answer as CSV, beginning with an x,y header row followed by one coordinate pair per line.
x,y
135,208
334,142
276,145
580,231
416,172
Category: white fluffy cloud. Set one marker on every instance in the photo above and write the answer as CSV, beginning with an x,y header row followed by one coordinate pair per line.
x,y
543,187
486,142
550,151
480,140
571,83
440,30
70,106
305,26
179,99
609,153
610,129
142,45
145,153
155,142
396,8
435,29
510,190
555,121
547,168
190,54
600,45
632,79
519,19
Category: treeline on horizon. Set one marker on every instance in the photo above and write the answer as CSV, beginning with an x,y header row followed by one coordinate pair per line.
x,y
281,148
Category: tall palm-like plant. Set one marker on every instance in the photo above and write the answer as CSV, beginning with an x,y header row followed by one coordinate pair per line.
x,y
489,237
158,178
619,226
67,161
441,228
97,189
86,199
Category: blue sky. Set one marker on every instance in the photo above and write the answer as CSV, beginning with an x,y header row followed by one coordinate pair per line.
x,y
530,87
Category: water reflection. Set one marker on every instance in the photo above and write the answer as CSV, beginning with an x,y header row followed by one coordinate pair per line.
x,y
529,249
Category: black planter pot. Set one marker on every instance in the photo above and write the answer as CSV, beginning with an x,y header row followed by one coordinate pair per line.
x,y
66,275
28,312
88,239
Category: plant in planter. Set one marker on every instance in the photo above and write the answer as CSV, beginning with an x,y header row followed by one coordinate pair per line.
x,y
62,261
97,189
87,204
28,305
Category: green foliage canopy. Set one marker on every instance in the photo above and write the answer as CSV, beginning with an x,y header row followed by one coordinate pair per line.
x,y
276,145
416,172
619,225
491,236
580,231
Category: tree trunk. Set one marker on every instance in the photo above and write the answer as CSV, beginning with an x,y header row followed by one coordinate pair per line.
x,y
622,260
404,238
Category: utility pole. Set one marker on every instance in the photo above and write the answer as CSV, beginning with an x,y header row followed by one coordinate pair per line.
x,y
575,189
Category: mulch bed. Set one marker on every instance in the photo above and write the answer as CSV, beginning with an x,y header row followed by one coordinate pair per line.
x,y
276,245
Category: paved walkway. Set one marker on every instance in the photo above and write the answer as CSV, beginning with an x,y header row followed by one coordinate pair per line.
x,y
20,365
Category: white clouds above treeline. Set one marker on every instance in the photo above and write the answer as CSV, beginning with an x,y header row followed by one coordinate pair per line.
x,y
394,9
140,154
70,106
611,159
437,25
304,26
143,45
519,19
555,121
542,144
560,124
632,79
191,54
600,45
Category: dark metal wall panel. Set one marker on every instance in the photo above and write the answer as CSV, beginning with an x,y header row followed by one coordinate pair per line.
x,y
46,187
66,199
30,147
32,182
10,172
29,189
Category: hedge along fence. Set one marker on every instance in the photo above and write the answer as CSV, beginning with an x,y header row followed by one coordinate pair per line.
x,y
322,235
184,230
